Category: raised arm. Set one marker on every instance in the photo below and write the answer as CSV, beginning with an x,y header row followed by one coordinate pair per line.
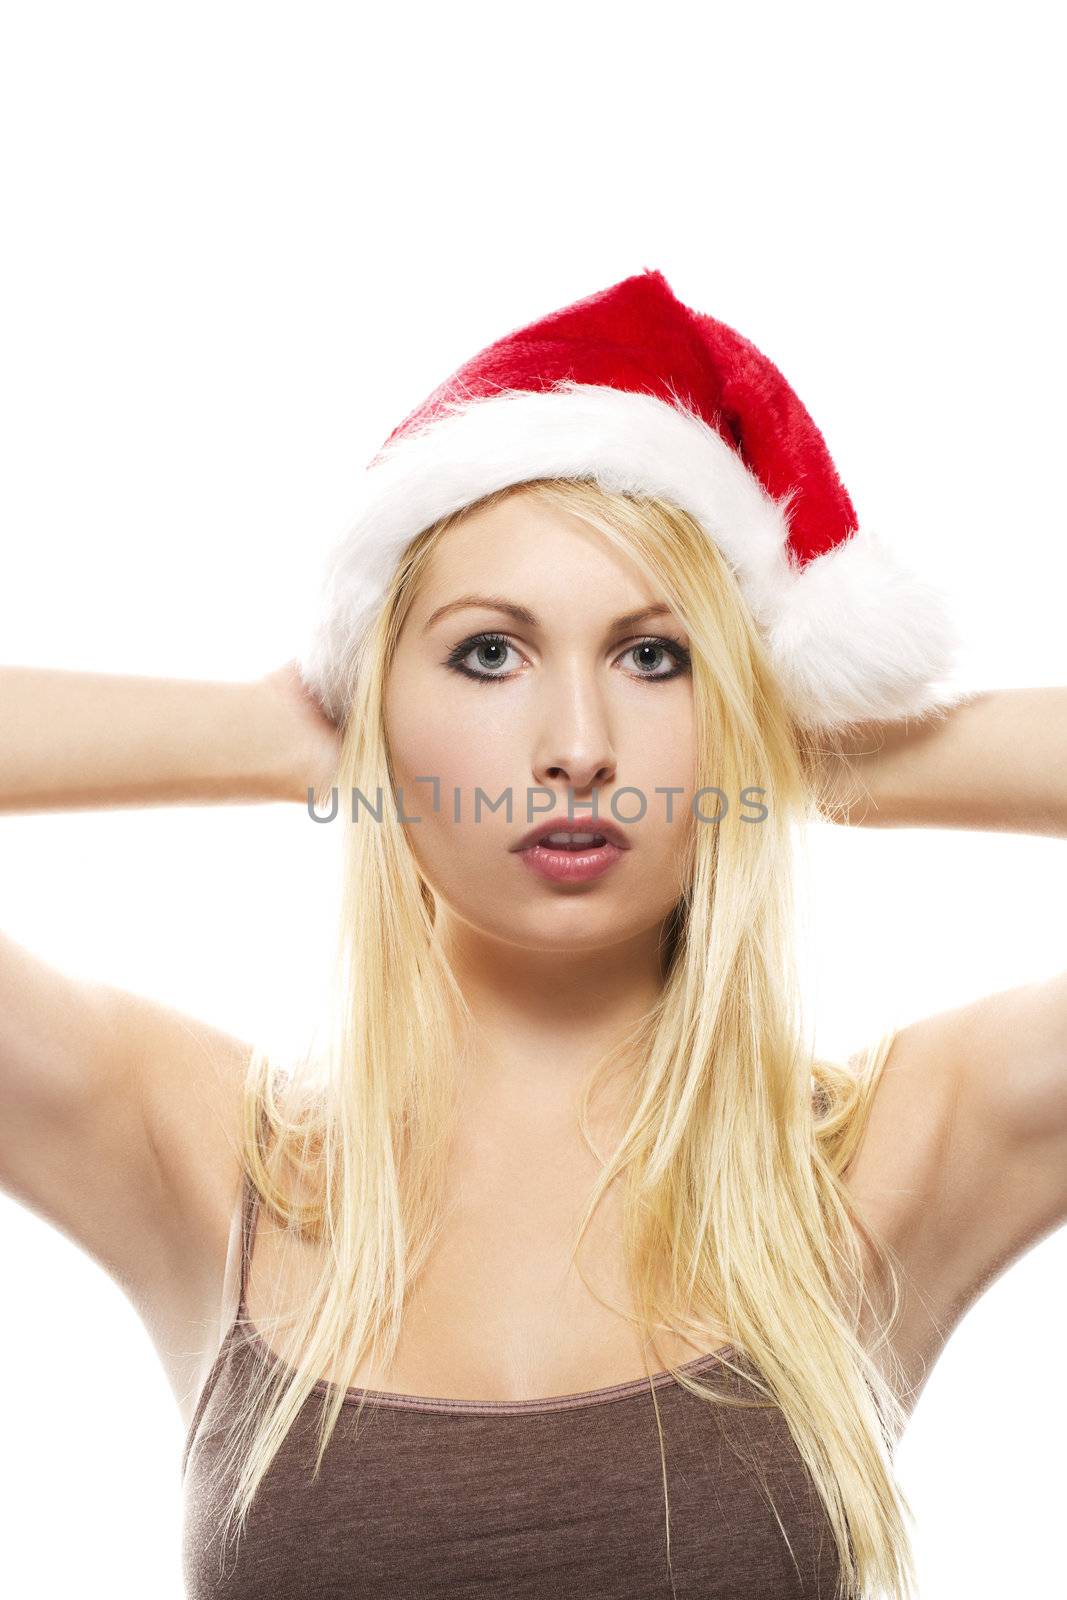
x,y
118,1115
980,1089
997,761
79,740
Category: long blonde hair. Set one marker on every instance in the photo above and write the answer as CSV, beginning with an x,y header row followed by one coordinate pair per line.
x,y
738,1226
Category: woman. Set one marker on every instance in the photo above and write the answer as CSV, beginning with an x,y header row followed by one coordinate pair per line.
x,y
556,1264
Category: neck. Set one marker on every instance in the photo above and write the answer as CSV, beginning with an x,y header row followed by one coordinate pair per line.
x,y
543,1019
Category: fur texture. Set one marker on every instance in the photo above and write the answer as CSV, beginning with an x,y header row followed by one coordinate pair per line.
x,y
852,634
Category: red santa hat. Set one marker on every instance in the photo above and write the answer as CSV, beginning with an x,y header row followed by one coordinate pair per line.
x,y
633,389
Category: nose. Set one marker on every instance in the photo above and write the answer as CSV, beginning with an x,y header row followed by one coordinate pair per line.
x,y
575,744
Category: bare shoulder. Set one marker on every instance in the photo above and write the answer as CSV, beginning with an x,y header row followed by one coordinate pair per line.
x,y
963,1163
151,1175
190,1079
120,1126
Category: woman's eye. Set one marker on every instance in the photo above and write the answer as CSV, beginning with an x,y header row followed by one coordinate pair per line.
x,y
489,652
483,657
659,649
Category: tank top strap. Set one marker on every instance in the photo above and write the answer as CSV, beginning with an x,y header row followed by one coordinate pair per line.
x,y
250,1203
249,1215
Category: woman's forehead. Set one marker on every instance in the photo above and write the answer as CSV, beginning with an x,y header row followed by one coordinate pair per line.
x,y
539,560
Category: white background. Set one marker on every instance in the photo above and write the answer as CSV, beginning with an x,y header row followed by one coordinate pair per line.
x,y
241,243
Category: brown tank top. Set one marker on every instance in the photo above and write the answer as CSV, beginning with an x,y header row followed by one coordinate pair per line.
x,y
533,1499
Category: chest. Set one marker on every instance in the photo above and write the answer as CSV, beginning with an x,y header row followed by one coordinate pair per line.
x,y
503,1311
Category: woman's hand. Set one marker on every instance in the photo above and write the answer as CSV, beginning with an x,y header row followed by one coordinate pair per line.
x,y
313,741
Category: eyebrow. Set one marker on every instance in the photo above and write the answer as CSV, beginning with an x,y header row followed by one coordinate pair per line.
x,y
491,602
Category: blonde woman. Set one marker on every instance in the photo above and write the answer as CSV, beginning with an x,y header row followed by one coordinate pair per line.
x,y
557,1264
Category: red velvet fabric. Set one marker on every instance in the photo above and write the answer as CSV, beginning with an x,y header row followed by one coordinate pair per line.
x,y
638,336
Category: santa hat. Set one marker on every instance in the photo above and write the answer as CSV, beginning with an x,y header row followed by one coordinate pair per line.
x,y
633,389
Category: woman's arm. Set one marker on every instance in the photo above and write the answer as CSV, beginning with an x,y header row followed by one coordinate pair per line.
x,y
989,1077
996,761
78,740
119,1116
978,1096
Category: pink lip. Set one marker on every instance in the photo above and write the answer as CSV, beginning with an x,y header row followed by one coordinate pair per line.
x,y
610,831
571,866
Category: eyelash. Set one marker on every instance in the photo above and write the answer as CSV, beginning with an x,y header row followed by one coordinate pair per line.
x,y
456,657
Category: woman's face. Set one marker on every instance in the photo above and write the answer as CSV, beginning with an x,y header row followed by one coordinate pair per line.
x,y
563,706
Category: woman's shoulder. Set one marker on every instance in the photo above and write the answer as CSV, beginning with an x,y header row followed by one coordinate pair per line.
x,y
893,1178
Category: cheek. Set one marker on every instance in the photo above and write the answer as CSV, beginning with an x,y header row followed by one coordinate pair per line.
x,y
421,744
416,733
430,740
664,759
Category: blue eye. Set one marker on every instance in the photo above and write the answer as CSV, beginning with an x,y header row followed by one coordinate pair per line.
x,y
493,645
492,648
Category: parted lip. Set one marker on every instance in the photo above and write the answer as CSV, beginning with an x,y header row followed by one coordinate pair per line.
x,y
607,830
